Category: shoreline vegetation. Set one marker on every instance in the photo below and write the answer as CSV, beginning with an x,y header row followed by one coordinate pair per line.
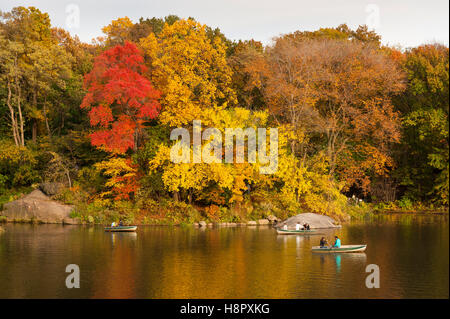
x,y
171,213
362,127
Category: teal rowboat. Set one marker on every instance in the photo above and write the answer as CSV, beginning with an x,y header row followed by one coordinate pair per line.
x,y
295,232
342,249
121,228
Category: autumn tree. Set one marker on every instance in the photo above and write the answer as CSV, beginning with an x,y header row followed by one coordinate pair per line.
x,y
337,92
123,177
123,29
154,25
342,32
218,182
120,99
18,165
242,54
356,111
118,31
33,66
190,70
63,101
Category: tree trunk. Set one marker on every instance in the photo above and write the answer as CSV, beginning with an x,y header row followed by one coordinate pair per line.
x,y
190,196
35,124
68,178
19,109
46,119
13,117
136,139
34,130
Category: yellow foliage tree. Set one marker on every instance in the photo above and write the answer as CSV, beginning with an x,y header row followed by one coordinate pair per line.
x,y
195,177
191,71
122,177
118,31
306,182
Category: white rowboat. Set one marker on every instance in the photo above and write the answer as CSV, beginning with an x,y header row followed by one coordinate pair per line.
x,y
342,249
295,232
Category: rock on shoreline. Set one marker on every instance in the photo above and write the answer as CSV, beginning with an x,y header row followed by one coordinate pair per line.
x,y
37,207
314,221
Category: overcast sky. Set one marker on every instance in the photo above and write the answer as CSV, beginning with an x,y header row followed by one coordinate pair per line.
x,y
400,22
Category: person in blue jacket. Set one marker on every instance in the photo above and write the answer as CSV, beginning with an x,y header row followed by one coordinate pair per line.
x,y
337,242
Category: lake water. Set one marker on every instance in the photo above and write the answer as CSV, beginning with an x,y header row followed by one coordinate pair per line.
x,y
412,252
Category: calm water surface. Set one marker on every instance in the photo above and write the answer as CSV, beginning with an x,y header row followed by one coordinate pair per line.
x,y
412,252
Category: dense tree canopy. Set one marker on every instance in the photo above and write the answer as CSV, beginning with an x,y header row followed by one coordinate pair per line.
x,y
423,162
354,117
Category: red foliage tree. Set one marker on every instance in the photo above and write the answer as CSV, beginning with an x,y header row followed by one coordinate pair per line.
x,y
120,98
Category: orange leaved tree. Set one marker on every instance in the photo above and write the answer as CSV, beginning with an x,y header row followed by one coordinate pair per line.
x,y
120,99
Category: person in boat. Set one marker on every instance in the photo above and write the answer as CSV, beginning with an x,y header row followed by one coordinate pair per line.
x,y
120,223
298,226
306,226
285,227
323,242
113,224
337,242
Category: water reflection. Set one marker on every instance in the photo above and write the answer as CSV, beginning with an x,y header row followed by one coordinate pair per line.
x,y
126,236
285,239
342,260
238,262
338,263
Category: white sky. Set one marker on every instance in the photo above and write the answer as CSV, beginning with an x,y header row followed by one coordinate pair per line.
x,y
400,22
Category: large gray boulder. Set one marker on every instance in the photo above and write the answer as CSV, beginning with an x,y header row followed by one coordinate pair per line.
x,y
314,221
36,207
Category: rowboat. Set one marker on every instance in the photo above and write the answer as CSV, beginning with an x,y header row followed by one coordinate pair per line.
x,y
295,232
342,249
121,228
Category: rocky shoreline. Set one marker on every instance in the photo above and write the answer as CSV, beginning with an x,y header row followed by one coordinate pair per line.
x,y
39,208
270,221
